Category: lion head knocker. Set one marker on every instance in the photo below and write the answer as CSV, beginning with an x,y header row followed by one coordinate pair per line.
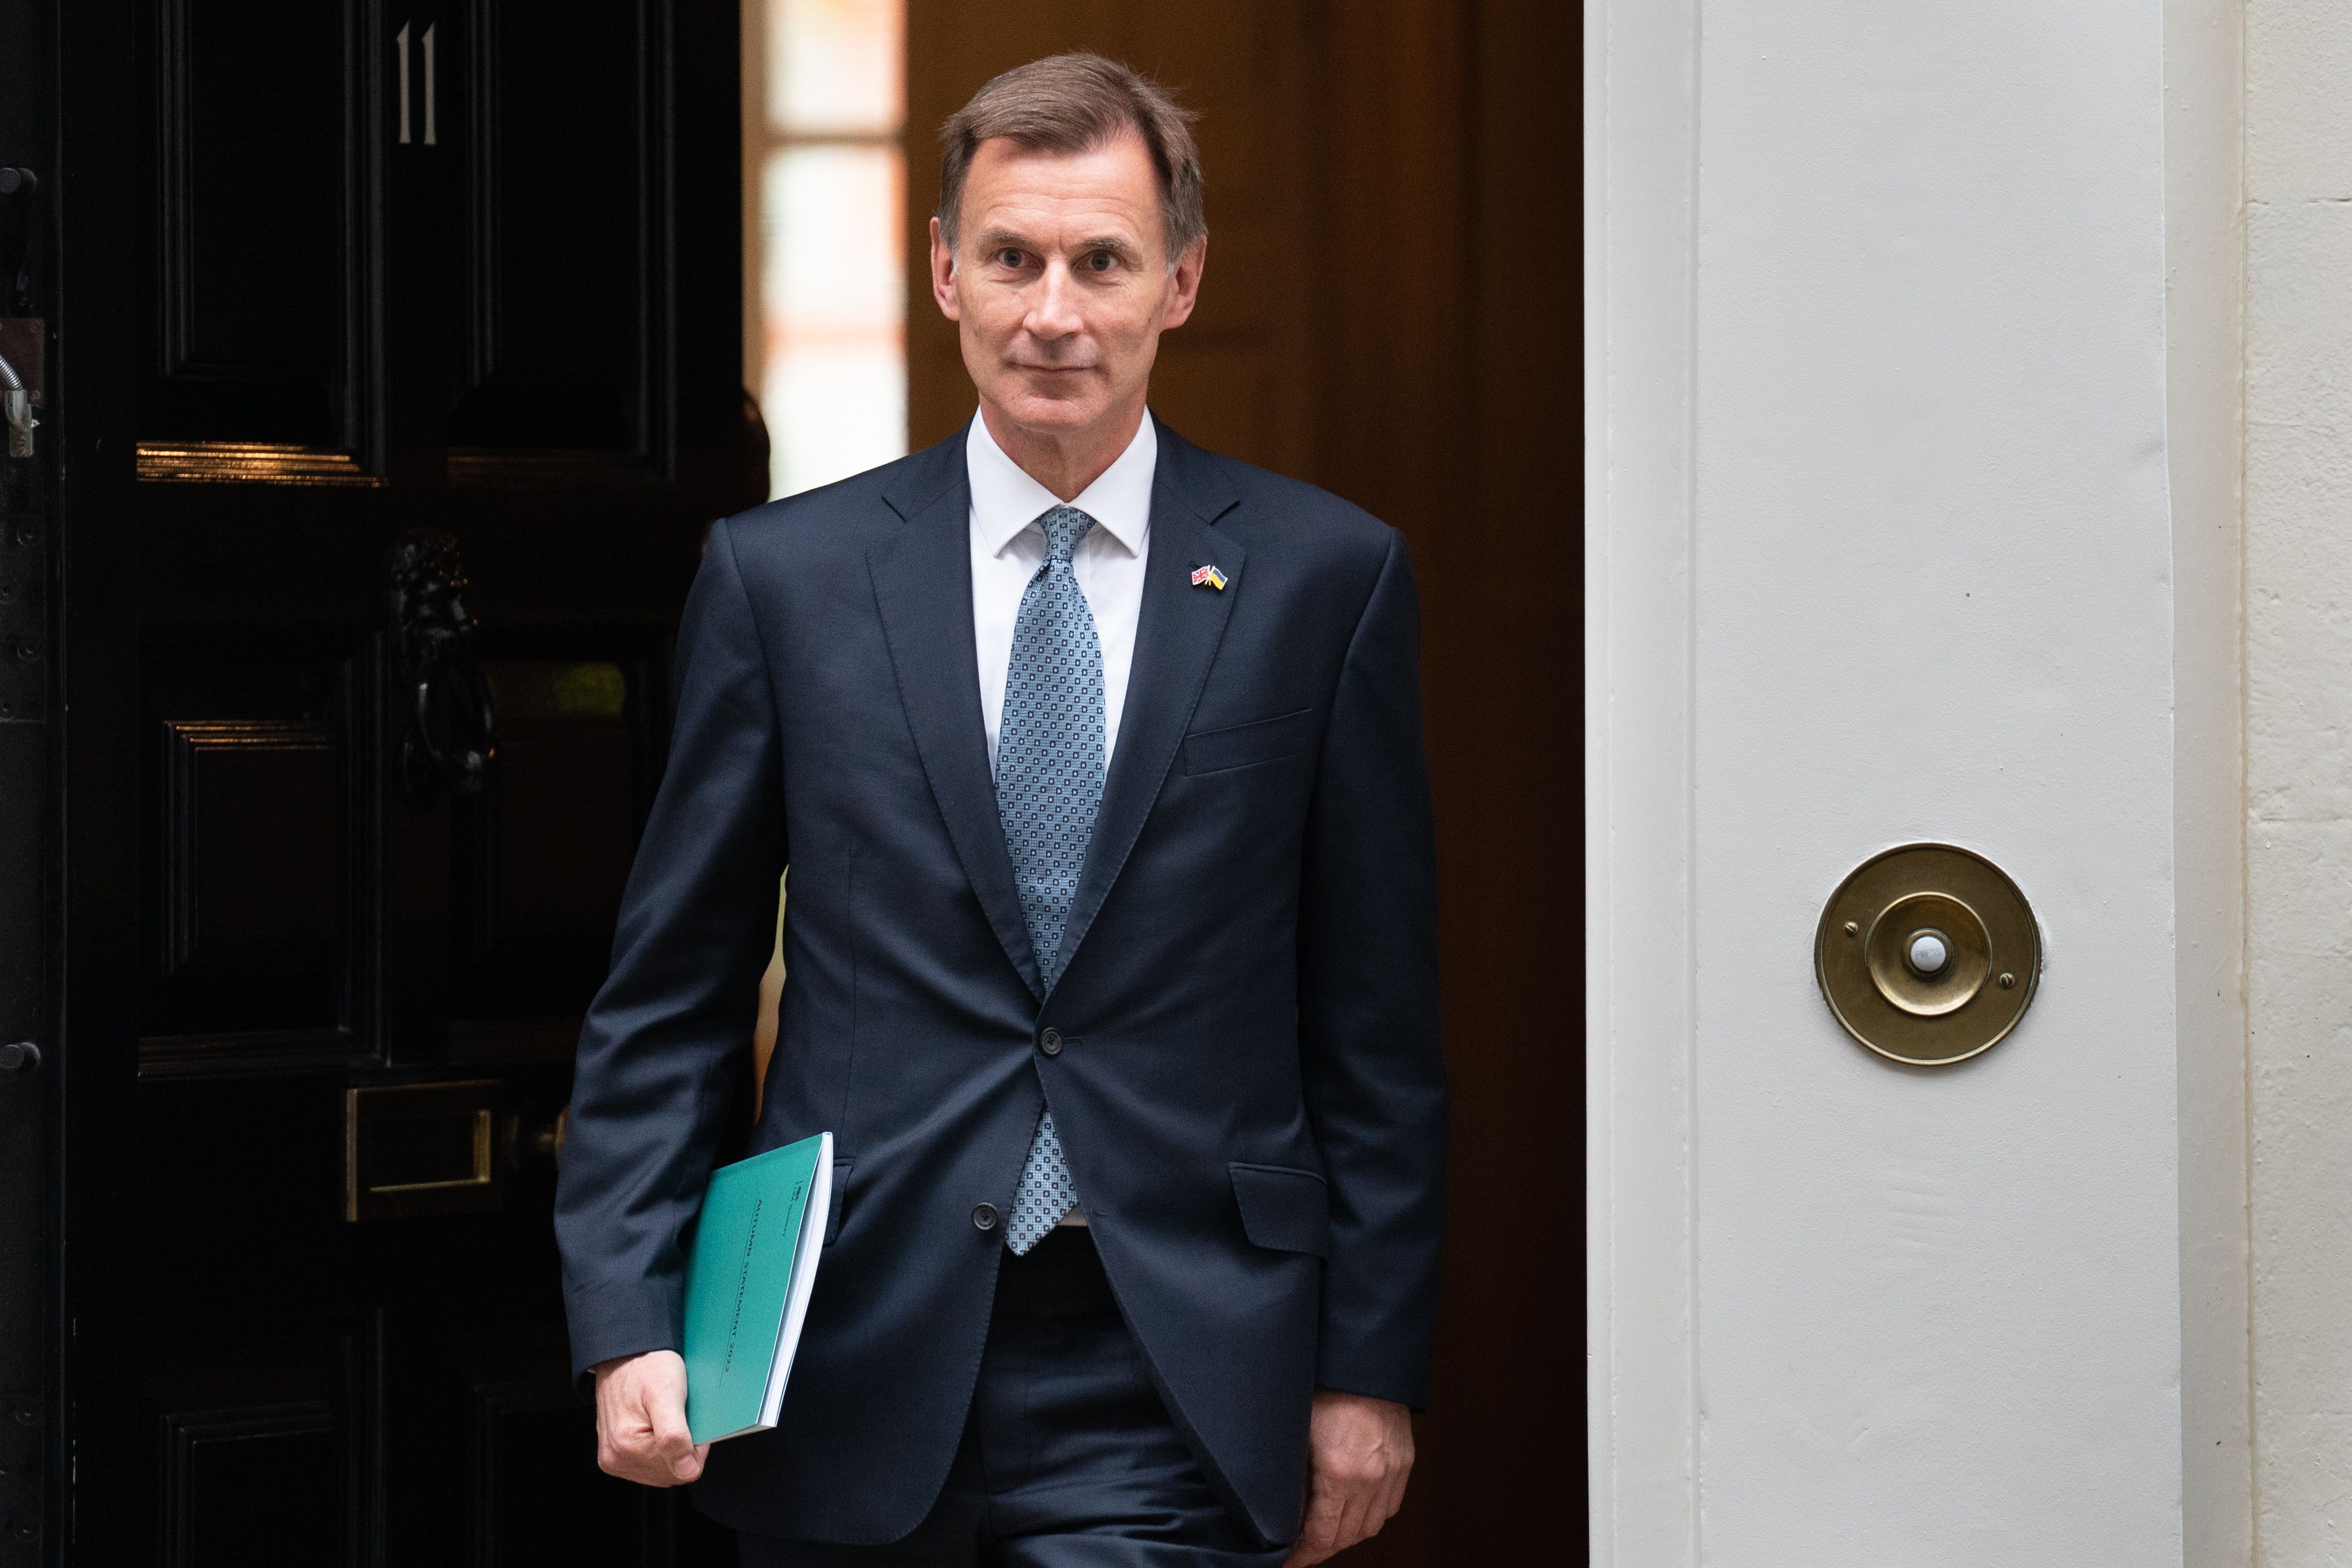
x,y
453,732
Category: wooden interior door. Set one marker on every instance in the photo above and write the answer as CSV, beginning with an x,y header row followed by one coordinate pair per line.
x,y
395,377
1393,310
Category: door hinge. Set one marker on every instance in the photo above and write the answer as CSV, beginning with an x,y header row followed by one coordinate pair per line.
x,y
24,594
21,1503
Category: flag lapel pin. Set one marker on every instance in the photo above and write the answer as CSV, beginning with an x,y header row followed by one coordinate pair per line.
x,y
1208,577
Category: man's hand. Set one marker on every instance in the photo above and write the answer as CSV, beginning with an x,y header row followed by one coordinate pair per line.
x,y
641,1420
1359,1451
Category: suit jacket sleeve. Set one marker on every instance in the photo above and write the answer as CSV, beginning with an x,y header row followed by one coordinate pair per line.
x,y
1374,1070
662,1044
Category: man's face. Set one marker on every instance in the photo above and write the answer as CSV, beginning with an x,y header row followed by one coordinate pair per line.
x,y
1060,282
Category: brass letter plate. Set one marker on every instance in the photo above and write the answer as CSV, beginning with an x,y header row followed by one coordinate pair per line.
x,y
420,1148
1927,953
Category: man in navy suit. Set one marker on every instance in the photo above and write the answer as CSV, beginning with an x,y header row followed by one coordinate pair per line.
x,y
1096,761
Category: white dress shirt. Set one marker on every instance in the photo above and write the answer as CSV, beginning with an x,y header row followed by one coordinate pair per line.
x,y
1008,547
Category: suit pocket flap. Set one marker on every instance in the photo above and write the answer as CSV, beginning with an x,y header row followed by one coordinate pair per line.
x,y
1286,1209
1240,745
840,1199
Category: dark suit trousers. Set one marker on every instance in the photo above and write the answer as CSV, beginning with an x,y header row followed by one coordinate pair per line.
x,y
1068,1456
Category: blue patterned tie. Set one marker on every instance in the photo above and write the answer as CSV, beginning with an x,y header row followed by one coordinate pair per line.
x,y
1049,784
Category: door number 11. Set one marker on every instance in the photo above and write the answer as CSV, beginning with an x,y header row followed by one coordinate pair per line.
x,y
430,138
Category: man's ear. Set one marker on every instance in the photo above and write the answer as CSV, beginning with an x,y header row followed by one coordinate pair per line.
x,y
1187,290
944,277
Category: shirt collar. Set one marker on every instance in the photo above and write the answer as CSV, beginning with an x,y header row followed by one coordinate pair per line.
x,y
1005,499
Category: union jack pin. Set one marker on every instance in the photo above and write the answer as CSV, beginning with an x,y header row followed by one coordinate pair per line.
x,y
1208,577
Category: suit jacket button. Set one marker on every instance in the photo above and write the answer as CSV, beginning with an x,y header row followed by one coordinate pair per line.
x,y
984,1217
1051,1040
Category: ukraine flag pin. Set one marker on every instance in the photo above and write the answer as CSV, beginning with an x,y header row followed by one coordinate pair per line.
x,y
1208,577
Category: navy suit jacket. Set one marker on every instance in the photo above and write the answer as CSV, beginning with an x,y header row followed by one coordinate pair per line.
x,y
1251,1091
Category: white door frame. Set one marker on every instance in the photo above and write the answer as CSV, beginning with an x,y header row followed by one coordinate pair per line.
x,y
1641,110
1641,64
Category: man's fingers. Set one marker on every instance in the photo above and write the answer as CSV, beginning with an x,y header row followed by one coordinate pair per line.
x,y
1342,1525
641,1427
636,1457
1355,1520
648,1456
678,1454
673,1445
1364,1494
1319,1532
622,1435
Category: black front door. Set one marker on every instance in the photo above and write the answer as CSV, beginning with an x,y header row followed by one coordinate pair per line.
x,y
390,358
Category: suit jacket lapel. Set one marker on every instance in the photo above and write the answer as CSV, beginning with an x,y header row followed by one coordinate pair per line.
x,y
1176,637
922,584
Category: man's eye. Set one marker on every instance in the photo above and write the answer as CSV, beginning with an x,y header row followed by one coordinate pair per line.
x,y
1100,261
1008,257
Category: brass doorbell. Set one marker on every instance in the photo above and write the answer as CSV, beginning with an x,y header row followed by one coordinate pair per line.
x,y
1927,953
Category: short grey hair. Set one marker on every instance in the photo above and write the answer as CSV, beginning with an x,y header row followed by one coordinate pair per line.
x,y
1074,103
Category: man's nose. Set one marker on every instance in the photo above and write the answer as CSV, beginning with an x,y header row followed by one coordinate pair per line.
x,y
1053,311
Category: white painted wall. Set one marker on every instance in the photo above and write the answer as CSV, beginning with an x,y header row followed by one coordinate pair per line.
x,y
2298,566
1880,550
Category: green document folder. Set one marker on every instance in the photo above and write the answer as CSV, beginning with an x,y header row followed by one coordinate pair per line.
x,y
748,1277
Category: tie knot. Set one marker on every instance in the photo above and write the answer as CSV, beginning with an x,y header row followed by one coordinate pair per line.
x,y
1064,527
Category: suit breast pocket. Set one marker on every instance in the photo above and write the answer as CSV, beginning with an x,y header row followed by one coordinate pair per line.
x,y
1247,745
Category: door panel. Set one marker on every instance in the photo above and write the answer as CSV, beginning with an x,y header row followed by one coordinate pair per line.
x,y
251,859
255,284
563,262
543,851
253,1483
